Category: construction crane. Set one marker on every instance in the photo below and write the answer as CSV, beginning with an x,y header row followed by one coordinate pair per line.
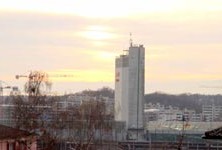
x,y
44,75
35,78
2,89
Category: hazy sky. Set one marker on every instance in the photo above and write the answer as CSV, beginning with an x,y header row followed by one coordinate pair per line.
x,y
183,41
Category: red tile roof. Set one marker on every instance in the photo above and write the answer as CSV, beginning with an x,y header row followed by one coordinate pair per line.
x,y
12,133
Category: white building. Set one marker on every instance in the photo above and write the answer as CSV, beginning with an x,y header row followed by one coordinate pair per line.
x,y
163,113
129,87
212,112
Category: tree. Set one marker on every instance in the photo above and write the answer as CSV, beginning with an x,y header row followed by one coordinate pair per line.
x,y
81,126
86,125
32,112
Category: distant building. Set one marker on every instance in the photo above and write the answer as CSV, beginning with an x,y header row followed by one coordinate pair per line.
x,y
212,112
129,87
76,100
158,112
151,115
6,115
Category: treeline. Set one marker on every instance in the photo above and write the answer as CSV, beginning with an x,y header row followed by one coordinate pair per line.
x,y
103,92
189,101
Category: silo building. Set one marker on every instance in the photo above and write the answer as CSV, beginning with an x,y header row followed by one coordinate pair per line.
x,y
129,87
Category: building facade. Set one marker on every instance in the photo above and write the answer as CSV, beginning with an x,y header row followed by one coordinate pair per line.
x,y
129,87
15,139
212,112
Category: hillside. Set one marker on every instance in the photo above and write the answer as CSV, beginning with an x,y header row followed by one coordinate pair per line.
x,y
190,101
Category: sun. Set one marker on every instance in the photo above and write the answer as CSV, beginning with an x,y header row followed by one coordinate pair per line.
x,y
97,33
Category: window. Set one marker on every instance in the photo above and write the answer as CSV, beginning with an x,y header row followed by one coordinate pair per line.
x,y
11,146
22,146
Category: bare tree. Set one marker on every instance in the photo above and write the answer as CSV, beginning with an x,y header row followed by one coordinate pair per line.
x,y
81,126
32,112
88,125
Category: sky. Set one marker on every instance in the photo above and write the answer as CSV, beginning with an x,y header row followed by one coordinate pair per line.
x,y
82,38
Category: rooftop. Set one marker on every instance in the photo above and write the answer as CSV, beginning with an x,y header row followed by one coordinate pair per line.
x,y
12,133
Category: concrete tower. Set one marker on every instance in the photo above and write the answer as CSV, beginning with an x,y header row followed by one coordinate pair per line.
x,y
129,87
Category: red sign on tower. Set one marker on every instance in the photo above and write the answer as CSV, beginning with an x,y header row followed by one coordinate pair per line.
x,y
117,76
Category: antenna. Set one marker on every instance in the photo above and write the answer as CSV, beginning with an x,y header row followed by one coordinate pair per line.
x,y
131,41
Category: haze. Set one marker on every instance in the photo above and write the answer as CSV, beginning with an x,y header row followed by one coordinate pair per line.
x,y
183,41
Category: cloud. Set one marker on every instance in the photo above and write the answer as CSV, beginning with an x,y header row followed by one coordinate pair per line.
x,y
184,47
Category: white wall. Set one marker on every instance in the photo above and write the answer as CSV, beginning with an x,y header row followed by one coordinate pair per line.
x,y
136,86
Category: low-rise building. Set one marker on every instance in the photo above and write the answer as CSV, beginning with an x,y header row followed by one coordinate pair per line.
x,y
212,112
169,113
15,139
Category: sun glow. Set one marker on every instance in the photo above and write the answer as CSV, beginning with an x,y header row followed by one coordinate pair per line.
x,y
97,33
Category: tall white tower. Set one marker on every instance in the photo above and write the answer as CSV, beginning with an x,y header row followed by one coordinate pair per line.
x,y
121,88
129,87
